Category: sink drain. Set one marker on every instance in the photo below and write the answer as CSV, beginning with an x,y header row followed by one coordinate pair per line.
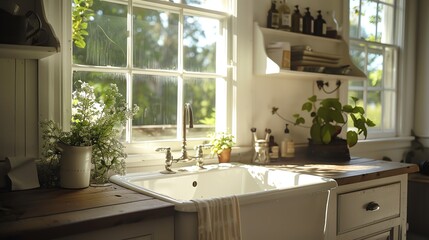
x,y
194,183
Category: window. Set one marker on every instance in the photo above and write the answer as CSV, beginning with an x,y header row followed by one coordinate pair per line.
x,y
374,46
161,54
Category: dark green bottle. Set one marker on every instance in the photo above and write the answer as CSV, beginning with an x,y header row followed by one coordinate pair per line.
x,y
307,22
319,25
296,20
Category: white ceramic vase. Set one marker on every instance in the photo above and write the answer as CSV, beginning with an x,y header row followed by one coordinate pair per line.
x,y
75,166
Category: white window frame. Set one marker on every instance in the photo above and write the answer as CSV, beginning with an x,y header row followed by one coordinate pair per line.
x,y
399,17
223,83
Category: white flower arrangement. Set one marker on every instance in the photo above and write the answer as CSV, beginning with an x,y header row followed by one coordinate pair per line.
x,y
95,122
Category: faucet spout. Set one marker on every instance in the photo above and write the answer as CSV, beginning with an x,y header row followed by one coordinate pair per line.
x,y
187,116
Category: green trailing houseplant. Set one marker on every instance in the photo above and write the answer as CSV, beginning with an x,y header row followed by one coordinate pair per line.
x,y
96,122
329,116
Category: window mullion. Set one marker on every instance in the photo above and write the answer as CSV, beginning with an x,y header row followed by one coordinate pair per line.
x,y
180,80
128,77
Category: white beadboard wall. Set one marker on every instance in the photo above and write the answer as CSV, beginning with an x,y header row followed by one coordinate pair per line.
x,y
18,105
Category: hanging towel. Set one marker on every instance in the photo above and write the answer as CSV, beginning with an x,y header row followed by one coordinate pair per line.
x,y
218,219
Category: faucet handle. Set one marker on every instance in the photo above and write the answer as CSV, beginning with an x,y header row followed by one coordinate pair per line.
x,y
168,159
199,156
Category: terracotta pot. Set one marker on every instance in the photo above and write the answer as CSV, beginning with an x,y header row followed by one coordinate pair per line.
x,y
224,156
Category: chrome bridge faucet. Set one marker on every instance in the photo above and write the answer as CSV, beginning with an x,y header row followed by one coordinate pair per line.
x,y
187,114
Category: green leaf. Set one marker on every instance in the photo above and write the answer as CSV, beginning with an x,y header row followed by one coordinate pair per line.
x,y
299,120
337,116
347,108
323,113
370,123
352,138
312,99
326,134
358,109
307,106
315,134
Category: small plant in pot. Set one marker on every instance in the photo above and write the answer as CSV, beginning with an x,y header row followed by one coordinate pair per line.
x,y
96,124
221,145
329,117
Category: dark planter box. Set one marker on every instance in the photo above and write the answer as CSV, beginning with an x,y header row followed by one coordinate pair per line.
x,y
336,151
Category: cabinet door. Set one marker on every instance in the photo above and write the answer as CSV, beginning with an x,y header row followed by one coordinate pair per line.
x,y
368,206
152,229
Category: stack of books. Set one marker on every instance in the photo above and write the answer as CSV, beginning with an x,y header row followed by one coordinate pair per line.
x,y
303,58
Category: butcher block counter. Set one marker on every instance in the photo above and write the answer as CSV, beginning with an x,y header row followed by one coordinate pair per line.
x,y
117,213
348,172
113,212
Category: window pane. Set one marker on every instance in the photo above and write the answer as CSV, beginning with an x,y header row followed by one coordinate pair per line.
x,y
155,39
354,18
106,42
219,5
375,19
157,98
385,29
201,93
375,68
374,108
358,56
389,114
390,63
101,82
200,36
369,21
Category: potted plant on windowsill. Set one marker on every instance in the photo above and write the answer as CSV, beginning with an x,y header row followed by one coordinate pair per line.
x,y
329,117
221,145
95,127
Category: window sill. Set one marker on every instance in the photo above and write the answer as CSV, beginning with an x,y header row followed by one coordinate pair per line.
x,y
156,161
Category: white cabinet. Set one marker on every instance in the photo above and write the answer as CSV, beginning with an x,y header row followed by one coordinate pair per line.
x,y
156,228
374,209
263,65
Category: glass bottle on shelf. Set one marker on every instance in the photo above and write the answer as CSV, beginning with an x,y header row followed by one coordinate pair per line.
x,y
319,25
273,16
307,22
285,16
296,20
332,26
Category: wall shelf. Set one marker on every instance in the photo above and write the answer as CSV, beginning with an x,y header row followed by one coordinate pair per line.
x,y
26,51
47,48
264,66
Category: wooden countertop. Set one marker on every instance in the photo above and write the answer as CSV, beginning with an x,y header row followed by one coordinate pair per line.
x,y
50,213
353,171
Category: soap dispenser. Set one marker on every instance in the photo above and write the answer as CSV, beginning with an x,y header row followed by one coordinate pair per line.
x,y
319,25
307,22
296,20
288,146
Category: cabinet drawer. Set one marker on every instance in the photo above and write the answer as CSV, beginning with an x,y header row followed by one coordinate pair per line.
x,y
364,207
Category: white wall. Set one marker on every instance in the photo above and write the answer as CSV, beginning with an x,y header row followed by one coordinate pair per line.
x,y
255,95
422,71
289,94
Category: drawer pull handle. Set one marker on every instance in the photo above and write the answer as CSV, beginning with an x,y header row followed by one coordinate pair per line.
x,y
372,206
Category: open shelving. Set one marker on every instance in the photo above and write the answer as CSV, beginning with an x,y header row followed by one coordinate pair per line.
x,y
263,65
